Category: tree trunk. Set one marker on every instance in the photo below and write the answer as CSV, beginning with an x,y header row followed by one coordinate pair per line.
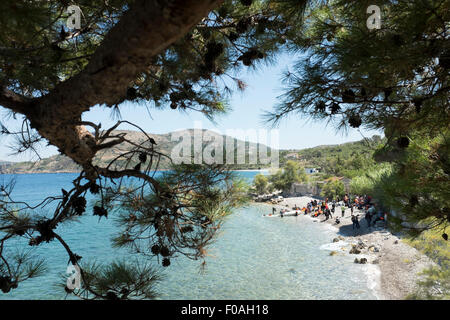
x,y
144,31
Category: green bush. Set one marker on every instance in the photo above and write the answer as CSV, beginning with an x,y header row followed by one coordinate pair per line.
x,y
332,189
261,183
436,282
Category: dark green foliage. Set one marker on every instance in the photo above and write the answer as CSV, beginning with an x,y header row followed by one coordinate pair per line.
x,y
22,266
435,281
261,183
40,53
417,186
348,160
403,142
391,68
393,79
332,189
37,54
283,179
119,280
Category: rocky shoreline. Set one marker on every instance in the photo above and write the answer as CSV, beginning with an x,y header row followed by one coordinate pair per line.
x,y
392,265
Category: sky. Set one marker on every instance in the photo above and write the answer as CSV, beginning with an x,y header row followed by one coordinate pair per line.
x,y
264,88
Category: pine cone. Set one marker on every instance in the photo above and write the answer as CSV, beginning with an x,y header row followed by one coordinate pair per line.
x,y
100,211
355,121
155,249
320,106
164,251
142,157
334,108
166,262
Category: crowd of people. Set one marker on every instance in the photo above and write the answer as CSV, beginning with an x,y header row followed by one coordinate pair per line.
x,y
358,205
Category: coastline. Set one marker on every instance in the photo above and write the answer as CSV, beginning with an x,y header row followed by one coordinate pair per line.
x,y
392,265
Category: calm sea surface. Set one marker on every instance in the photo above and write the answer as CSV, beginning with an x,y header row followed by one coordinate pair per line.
x,y
253,258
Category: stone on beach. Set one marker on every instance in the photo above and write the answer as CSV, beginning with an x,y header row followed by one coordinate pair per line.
x,y
360,261
361,244
354,250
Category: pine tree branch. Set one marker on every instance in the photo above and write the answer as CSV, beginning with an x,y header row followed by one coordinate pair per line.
x,y
144,31
13,101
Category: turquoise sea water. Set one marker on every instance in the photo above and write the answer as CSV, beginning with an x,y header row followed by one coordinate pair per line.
x,y
253,258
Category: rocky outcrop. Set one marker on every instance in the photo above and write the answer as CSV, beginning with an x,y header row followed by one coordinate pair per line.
x,y
304,189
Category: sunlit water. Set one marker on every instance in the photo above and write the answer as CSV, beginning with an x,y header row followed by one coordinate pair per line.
x,y
255,257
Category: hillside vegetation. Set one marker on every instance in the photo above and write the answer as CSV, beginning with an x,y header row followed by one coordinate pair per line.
x,y
349,159
164,145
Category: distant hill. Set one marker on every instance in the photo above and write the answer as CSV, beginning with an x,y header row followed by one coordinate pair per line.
x,y
331,159
4,165
164,144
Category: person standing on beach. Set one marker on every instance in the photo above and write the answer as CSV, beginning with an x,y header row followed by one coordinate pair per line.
x,y
343,210
353,222
368,218
357,221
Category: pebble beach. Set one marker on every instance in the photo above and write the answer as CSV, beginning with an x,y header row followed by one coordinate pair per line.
x,y
393,266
